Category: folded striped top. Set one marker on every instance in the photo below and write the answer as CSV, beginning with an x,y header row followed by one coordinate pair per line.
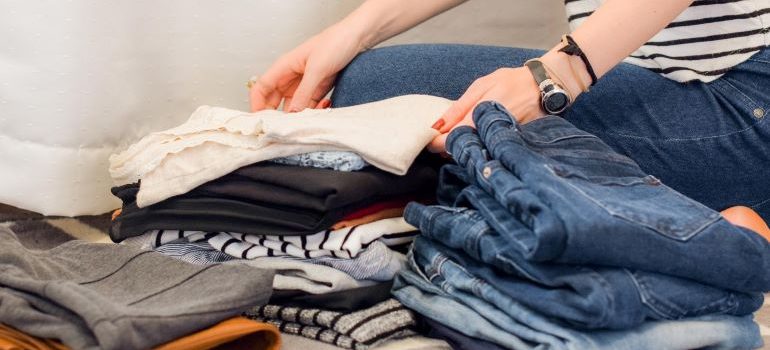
x,y
702,43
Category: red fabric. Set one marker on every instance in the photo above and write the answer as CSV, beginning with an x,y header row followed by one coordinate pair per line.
x,y
397,202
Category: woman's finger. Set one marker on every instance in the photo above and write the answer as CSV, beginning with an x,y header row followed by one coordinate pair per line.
x,y
462,106
262,99
306,90
437,145
324,103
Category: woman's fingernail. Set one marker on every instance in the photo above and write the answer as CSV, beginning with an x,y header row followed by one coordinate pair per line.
x,y
326,103
438,124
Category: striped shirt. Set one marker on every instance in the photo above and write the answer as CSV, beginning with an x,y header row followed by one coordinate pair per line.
x,y
343,243
702,43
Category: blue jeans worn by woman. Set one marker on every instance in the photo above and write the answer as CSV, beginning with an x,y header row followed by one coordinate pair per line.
x,y
709,141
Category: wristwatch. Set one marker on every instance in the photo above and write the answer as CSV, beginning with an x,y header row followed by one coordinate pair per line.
x,y
553,97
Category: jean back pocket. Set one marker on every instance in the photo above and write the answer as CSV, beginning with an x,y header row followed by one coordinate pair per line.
x,y
644,201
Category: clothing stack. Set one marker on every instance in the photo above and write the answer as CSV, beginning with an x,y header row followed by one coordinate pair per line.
x,y
316,196
82,295
547,237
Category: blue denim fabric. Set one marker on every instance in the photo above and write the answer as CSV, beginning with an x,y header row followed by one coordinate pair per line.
x,y
562,195
514,326
582,296
708,141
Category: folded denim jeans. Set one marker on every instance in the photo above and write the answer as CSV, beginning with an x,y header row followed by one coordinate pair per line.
x,y
512,325
582,203
580,296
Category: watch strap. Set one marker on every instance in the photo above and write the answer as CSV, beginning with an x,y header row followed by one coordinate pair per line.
x,y
538,71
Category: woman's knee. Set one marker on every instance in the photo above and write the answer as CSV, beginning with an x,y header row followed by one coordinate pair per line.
x,y
371,76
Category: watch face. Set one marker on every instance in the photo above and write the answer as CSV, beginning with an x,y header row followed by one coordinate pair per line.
x,y
555,102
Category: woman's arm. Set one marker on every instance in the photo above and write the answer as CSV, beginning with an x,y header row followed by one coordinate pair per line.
x,y
609,35
378,20
304,75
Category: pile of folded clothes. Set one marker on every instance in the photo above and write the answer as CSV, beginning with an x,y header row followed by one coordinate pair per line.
x,y
316,196
82,295
545,237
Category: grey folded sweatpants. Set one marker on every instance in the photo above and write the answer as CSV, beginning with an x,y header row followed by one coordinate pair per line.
x,y
104,296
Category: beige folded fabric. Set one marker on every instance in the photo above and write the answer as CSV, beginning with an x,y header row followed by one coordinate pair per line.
x,y
388,134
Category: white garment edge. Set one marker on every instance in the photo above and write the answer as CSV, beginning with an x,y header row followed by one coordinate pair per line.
x,y
307,277
388,134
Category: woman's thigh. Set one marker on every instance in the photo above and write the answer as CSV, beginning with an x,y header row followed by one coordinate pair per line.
x,y
710,141
707,140
444,70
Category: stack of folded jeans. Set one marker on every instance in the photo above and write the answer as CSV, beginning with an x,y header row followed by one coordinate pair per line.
x,y
544,235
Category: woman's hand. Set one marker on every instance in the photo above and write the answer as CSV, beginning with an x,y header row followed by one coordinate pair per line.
x,y
304,75
514,88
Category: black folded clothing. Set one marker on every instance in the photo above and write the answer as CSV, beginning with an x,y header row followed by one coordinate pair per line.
x,y
348,300
270,199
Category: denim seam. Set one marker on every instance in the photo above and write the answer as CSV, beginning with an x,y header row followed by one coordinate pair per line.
x,y
643,297
681,238
476,283
481,220
729,302
561,138
676,139
761,204
610,157
474,243
746,99
509,261
666,311
610,297
435,266
713,217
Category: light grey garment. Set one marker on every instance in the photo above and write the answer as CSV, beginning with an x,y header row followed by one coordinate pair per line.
x,y
107,296
376,263
335,160
292,274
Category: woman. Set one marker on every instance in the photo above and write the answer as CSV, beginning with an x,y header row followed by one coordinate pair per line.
x,y
681,86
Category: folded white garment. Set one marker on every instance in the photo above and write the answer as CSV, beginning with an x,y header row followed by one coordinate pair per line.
x,y
388,134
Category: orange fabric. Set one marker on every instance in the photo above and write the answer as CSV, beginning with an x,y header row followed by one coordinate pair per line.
x,y
237,333
747,218
13,339
398,202
382,214
116,213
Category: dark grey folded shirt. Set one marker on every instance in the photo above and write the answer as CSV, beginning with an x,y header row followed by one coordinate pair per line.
x,y
104,296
